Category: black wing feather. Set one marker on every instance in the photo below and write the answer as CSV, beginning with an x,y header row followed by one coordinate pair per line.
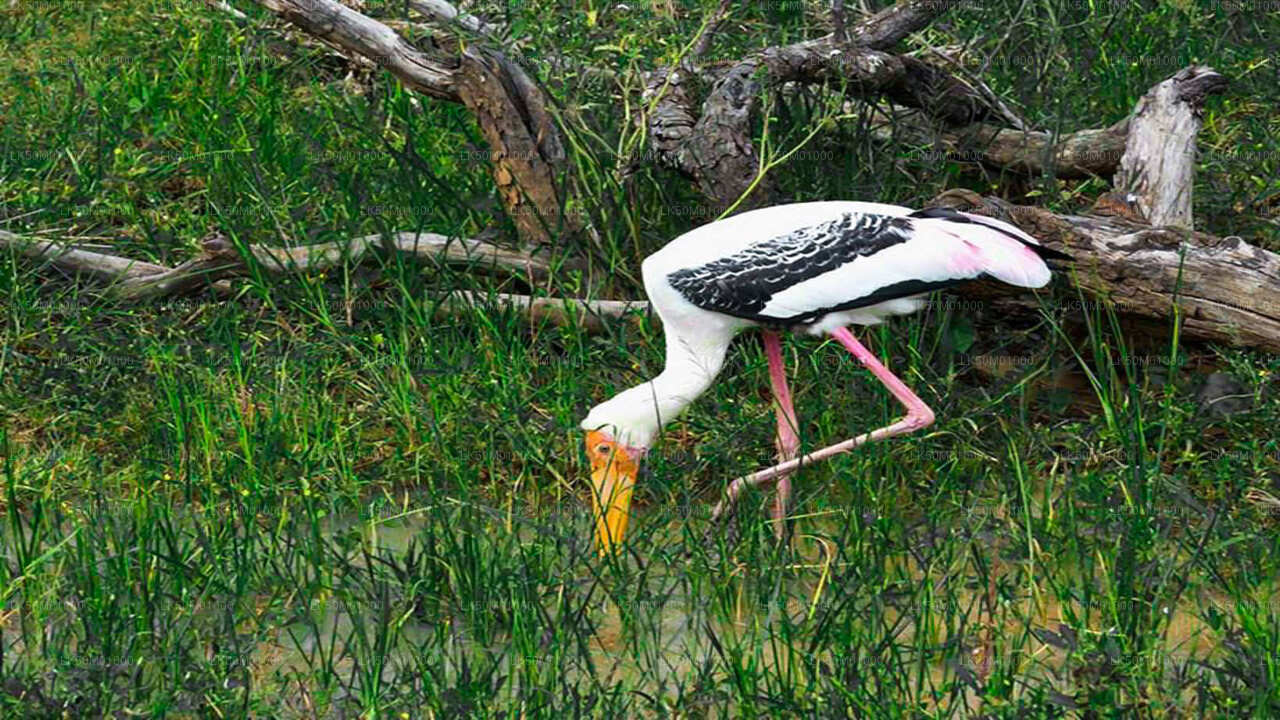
x,y
742,284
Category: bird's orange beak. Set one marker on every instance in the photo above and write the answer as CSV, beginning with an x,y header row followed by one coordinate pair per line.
x,y
613,476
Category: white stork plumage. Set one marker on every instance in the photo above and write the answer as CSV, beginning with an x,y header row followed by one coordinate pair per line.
x,y
817,267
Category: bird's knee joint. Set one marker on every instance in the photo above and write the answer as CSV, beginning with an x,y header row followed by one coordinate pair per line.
x,y
920,420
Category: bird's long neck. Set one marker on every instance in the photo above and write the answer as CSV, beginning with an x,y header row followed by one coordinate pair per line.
x,y
640,412
690,369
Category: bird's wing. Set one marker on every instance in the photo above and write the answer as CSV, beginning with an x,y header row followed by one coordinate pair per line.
x,y
859,259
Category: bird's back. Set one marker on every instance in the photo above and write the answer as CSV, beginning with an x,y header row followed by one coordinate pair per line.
x,y
797,264
722,238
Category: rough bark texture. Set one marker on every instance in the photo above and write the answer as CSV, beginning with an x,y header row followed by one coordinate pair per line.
x,y
714,146
719,149
510,109
1158,166
524,143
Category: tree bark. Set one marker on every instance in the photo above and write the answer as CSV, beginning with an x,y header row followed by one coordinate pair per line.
x,y
1159,162
1151,152
714,145
1094,152
524,142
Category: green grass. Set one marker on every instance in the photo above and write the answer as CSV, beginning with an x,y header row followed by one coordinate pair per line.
x,y
322,500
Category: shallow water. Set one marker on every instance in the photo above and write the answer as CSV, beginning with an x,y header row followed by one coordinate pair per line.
x,y
667,639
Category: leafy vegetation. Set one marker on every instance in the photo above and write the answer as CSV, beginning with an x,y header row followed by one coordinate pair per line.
x,y
322,499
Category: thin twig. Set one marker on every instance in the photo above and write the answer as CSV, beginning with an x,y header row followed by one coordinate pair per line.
x,y
708,31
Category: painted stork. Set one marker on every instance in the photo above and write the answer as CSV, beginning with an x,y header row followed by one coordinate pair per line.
x,y
817,267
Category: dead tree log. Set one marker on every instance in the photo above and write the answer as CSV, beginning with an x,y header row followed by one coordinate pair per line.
x,y
713,145
1136,248
710,141
132,280
525,148
1224,289
590,315
1159,162
524,143
1160,133
1093,152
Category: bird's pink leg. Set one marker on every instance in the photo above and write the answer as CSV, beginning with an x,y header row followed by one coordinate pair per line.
x,y
918,416
788,439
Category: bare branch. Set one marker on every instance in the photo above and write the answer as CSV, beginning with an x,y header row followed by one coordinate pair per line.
x,y
447,13
887,27
224,7
133,280
1001,108
840,35
591,315
366,37
96,265
708,33
714,146
1094,152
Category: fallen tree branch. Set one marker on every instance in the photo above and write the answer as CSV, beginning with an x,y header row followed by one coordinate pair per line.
x,y
106,268
591,315
1093,152
1224,289
1151,152
1159,140
525,150
226,8
887,27
133,280
361,35
713,145
447,13
703,42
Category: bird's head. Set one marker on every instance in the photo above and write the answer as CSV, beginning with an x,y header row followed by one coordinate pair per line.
x,y
618,434
614,467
